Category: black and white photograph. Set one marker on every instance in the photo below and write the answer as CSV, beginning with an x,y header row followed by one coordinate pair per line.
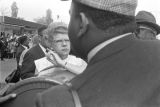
x,y
79,53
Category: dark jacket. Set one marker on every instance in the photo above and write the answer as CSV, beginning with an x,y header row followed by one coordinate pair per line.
x,y
3,45
126,73
19,51
28,65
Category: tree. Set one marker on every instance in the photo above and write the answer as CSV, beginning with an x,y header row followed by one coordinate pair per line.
x,y
14,10
49,16
45,20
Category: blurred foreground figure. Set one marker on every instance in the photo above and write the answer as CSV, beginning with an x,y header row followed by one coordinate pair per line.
x,y
7,97
147,27
122,71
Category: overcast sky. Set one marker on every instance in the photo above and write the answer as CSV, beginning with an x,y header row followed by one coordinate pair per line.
x,y
31,9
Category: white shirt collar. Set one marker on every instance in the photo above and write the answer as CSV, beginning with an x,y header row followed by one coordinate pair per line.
x,y
96,49
43,49
24,47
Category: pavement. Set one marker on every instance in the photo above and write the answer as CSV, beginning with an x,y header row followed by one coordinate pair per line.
x,y
6,67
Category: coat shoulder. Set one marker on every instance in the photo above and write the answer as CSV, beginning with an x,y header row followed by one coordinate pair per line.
x,y
57,96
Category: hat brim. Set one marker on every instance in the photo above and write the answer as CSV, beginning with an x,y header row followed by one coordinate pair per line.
x,y
153,25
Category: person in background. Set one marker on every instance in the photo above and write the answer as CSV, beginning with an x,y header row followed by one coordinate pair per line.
x,y
60,45
34,41
147,29
13,49
122,70
23,42
36,52
22,46
4,98
3,47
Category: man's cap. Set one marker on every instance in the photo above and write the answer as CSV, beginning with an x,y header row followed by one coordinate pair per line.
x,y
147,18
125,7
57,27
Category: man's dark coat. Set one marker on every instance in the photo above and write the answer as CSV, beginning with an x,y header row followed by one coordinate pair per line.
x,y
125,73
28,65
19,51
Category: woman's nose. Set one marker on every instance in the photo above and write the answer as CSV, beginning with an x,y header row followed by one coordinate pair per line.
x,y
64,42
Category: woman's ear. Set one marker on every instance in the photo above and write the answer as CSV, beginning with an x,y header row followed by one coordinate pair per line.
x,y
83,25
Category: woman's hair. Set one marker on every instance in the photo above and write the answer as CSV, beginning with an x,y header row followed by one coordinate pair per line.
x,y
56,28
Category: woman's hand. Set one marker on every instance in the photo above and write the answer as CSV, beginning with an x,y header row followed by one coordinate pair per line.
x,y
55,59
51,59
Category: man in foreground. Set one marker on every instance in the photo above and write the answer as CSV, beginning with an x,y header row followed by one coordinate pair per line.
x,y
122,70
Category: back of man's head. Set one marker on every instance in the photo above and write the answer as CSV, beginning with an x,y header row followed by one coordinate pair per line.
x,y
107,13
43,39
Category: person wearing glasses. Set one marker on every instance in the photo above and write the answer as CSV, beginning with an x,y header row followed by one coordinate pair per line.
x,y
60,48
147,27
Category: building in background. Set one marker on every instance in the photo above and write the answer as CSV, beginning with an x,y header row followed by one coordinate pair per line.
x,y
10,26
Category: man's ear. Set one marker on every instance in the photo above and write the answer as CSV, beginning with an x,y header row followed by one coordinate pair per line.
x,y
84,24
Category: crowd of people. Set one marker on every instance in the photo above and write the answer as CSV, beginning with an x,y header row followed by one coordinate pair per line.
x,y
9,44
6,47
107,56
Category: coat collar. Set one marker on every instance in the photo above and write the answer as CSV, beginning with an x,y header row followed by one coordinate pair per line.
x,y
104,53
112,48
39,51
94,51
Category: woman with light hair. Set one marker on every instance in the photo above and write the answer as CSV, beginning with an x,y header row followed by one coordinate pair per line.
x,y
59,56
